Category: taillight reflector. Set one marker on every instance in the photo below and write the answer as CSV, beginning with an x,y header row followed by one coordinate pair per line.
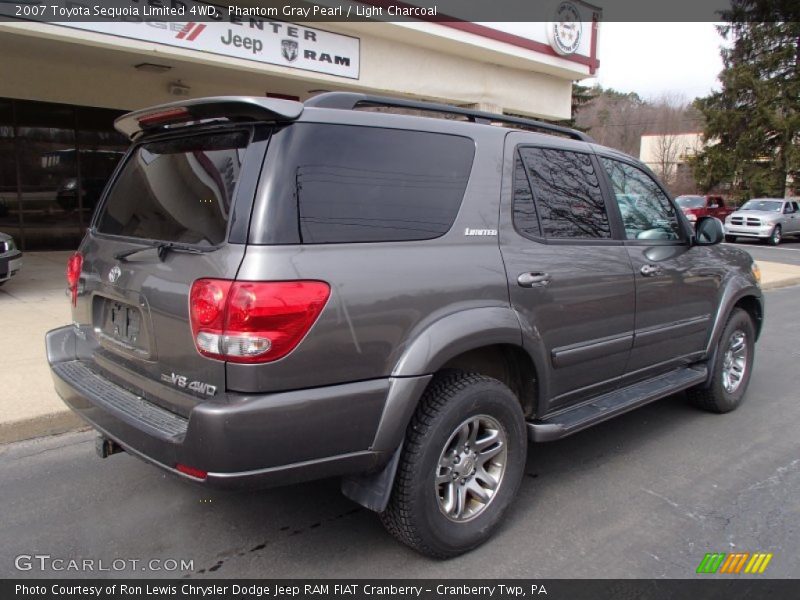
x,y
253,322
191,471
74,268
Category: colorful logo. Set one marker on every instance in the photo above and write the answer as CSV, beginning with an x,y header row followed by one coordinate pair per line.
x,y
190,31
736,563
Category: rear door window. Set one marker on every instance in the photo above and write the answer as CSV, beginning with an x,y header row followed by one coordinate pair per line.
x,y
367,184
177,190
566,195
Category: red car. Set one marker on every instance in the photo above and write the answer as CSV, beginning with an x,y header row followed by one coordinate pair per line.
x,y
697,207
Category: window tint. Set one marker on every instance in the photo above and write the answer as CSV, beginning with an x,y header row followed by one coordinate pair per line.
x,y
366,184
647,213
178,190
525,219
567,193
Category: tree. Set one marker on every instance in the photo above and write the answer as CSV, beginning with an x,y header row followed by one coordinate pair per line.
x,y
753,123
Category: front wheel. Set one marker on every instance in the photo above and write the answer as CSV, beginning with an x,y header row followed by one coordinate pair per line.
x,y
775,238
733,363
462,463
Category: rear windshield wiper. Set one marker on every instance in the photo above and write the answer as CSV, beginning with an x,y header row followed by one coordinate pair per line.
x,y
163,248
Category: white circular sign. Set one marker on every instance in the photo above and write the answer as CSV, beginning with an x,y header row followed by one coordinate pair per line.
x,y
564,34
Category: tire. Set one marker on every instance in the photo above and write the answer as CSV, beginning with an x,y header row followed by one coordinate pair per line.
x,y
775,238
416,513
730,238
720,396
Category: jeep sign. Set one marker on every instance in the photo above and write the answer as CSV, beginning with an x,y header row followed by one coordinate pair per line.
x,y
250,38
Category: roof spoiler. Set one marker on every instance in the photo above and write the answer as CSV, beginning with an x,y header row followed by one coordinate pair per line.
x,y
234,108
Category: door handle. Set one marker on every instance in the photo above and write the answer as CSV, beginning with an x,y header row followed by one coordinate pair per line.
x,y
533,279
650,270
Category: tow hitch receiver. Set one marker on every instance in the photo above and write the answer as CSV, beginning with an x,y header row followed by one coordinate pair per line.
x,y
105,447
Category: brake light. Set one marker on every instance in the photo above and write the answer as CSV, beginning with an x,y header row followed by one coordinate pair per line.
x,y
74,268
165,116
253,322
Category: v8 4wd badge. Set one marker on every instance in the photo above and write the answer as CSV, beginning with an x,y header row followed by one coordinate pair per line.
x,y
182,381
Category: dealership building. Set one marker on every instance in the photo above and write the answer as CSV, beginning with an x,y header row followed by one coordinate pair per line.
x,y
62,85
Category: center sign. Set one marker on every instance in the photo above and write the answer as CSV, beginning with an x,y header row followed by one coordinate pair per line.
x,y
250,38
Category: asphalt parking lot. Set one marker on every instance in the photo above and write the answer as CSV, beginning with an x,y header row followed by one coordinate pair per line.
x,y
645,495
788,252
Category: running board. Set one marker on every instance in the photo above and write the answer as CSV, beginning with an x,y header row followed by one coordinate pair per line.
x,y
611,404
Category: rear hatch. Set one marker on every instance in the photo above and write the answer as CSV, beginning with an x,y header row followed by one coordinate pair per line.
x,y
176,211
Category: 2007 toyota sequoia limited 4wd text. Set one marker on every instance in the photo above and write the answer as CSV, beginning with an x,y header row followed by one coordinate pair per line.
x,y
273,291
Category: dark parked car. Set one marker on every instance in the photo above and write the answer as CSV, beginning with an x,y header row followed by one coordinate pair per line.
x,y
273,291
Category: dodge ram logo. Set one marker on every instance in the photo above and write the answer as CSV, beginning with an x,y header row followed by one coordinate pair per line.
x,y
289,49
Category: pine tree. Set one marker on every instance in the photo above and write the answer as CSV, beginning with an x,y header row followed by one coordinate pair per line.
x,y
753,123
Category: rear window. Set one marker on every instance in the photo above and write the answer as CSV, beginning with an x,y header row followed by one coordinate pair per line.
x,y
364,184
690,201
177,190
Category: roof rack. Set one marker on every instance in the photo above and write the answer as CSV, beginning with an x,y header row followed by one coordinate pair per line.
x,y
352,100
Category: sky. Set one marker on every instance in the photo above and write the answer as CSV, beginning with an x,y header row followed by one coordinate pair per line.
x,y
654,59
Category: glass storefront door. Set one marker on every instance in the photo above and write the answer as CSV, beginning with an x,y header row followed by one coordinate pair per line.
x,y
54,162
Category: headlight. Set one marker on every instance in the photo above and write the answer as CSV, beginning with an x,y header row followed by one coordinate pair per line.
x,y
10,245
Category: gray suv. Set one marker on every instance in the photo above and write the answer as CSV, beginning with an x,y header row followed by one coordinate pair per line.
x,y
397,293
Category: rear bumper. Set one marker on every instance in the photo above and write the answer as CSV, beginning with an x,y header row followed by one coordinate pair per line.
x,y
239,440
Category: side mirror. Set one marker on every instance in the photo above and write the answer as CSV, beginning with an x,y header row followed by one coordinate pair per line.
x,y
709,231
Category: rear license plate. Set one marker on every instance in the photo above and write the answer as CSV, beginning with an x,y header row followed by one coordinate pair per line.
x,y
124,322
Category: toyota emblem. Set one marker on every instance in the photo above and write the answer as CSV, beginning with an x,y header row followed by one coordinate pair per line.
x,y
114,274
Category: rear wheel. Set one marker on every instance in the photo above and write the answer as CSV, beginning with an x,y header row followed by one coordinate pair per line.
x,y
733,363
775,238
461,466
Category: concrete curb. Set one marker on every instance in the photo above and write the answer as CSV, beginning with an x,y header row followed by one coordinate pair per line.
x,y
44,425
781,283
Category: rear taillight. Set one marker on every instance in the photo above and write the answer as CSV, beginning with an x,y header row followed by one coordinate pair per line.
x,y
74,268
253,322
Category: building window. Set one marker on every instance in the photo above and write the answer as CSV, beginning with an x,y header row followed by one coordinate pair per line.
x,y
54,162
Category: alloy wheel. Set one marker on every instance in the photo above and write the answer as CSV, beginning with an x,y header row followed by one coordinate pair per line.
x,y
471,468
734,361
